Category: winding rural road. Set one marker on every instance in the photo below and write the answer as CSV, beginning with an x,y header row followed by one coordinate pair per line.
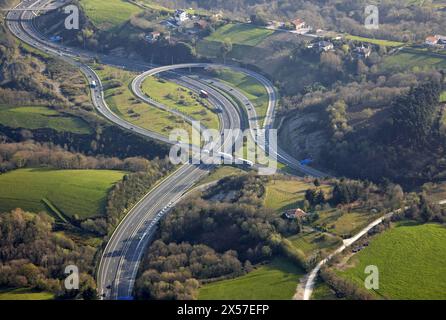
x,y
121,257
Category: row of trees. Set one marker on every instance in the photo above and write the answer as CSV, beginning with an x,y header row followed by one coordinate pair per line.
x,y
32,154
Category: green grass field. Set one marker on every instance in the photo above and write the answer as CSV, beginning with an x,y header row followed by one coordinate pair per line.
x,y
36,117
245,39
410,259
274,281
313,242
25,294
323,292
381,42
245,34
106,14
182,99
122,102
286,194
414,60
344,223
70,192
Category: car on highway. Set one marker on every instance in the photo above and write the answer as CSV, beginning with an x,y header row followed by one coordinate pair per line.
x,y
204,94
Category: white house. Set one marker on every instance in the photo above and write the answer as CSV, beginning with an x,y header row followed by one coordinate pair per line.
x,y
181,16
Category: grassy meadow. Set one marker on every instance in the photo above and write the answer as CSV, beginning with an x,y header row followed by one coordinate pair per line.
x,y
39,117
25,294
410,259
274,281
62,193
107,14
245,34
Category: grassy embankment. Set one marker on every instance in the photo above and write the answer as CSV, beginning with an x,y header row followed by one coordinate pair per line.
x,y
250,87
182,99
121,101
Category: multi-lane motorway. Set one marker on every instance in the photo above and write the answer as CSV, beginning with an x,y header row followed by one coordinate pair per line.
x,y
119,263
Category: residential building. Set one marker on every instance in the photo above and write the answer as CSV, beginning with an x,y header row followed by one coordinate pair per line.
x,y
152,36
181,16
299,24
294,214
362,52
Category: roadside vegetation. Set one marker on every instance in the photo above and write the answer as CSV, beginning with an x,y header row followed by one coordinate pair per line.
x,y
121,101
182,99
251,88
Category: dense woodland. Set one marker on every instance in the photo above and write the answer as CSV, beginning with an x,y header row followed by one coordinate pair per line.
x,y
33,255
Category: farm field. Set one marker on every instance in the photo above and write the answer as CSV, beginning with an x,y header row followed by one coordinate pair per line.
x,y
62,193
381,42
182,99
274,281
107,14
421,60
245,39
344,224
36,117
25,294
313,242
122,102
245,34
287,194
410,259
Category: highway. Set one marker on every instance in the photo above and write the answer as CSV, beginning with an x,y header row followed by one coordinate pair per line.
x,y
119,264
